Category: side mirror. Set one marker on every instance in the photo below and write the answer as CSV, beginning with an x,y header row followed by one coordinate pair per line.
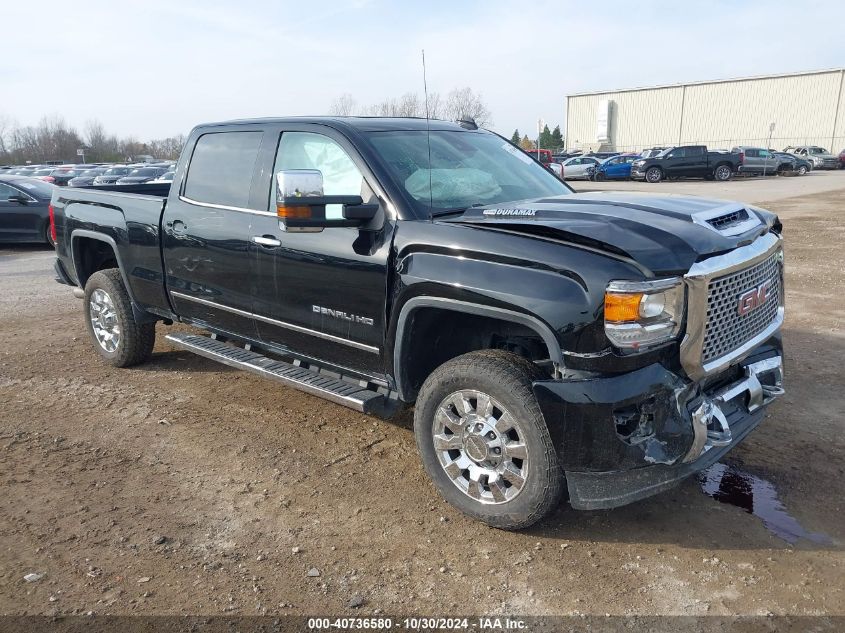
x,y
301,204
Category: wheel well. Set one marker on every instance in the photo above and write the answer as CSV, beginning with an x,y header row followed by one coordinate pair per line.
x,y
91,255
433,336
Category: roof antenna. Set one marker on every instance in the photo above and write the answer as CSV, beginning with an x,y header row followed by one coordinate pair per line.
x,y
428,138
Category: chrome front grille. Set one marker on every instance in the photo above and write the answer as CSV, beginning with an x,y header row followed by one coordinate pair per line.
x,y
719,334
726,329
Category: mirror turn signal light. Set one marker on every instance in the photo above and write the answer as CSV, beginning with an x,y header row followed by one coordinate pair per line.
x,y
298,213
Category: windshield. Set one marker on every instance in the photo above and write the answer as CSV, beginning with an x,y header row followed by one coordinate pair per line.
x,y
117,171
145,172
91,172
467,169
817,150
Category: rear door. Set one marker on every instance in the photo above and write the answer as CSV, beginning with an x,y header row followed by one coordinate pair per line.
x,y
18,222
322,295
207,229
695,161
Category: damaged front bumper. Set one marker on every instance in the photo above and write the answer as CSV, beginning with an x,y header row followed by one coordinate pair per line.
x,y
625,437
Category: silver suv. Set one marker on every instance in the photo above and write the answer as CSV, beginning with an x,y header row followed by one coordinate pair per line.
x,y
819,156
760,161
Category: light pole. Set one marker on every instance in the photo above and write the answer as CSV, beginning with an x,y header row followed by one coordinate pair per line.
x,y
768,146
540,124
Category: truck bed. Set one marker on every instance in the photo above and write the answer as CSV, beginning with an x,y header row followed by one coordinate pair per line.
x,y
129,222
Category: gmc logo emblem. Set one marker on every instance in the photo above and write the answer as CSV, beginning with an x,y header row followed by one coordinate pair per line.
x,y
753,299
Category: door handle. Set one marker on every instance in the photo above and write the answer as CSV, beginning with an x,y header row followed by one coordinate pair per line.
x,y
266,240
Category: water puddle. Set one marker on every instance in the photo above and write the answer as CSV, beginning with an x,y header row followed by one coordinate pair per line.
x,y
757,496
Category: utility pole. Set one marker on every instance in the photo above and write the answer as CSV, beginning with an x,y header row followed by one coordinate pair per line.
x,y
769,144
540,124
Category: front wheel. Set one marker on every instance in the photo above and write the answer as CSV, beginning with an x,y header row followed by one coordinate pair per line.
x,y
802,170
117,336
599,177
722,173
654,174
484,442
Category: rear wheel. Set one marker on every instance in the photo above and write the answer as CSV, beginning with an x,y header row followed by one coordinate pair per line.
x,y
654,174
484,442
117,336
722,173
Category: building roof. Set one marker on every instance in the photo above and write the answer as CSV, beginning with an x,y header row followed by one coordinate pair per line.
x,y
709,81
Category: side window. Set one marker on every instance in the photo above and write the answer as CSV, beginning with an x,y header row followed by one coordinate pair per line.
x,y
308,150
676,153
765,154
6,192
752,153
695,151
221,168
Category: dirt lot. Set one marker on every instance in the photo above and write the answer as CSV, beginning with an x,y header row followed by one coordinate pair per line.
x,y
184,487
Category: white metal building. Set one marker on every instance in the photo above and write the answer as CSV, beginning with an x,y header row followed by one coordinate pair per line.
x,y
806,108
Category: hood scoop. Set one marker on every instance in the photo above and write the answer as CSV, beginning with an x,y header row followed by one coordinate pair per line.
x,y
728,221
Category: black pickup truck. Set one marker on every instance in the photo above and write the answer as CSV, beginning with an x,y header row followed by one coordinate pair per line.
x,y
687,161
605,344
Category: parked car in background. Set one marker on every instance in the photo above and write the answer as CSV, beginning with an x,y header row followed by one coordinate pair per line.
x,y
686,161
652,151
112,175
842,159
799,166
579,167
602,155
165,177
141,175
86,178
62,176
25,210
819,156
45,174
615,167
758,161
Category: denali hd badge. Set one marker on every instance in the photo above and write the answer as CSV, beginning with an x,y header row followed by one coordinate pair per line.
x,y
753,299
517,212
338,314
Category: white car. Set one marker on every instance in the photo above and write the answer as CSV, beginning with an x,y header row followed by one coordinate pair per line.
x,y
579,167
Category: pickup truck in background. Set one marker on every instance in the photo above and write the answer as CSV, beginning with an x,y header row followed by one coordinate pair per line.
x,y
687,161
607,344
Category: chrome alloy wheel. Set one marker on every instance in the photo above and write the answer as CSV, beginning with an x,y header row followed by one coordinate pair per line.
x,y
104,320
480,446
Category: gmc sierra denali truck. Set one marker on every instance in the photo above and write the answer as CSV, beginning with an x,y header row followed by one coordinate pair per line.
x,y
607,345
687,161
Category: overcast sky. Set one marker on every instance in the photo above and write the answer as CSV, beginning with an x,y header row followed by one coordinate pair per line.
x,y
155,68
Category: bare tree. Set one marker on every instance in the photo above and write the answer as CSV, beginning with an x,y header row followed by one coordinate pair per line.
x,y
463,102
344,105
460,103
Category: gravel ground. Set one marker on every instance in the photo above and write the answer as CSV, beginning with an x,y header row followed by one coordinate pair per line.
x,y
184,487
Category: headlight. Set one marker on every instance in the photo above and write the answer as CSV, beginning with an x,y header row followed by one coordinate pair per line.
x,y
638,163
639,314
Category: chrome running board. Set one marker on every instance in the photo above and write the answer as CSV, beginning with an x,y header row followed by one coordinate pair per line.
x,y
338,391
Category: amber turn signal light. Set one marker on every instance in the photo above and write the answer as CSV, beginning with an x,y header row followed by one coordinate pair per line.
x,y
298,213
622,307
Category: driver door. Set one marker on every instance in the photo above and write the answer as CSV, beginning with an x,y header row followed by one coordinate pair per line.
x,y
321,293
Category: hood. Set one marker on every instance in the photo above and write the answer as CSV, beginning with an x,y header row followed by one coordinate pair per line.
x,y
665,234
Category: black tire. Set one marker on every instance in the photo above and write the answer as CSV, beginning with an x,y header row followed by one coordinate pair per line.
x,y
654,174
507,379
802,170
136,341
599,177
722,173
